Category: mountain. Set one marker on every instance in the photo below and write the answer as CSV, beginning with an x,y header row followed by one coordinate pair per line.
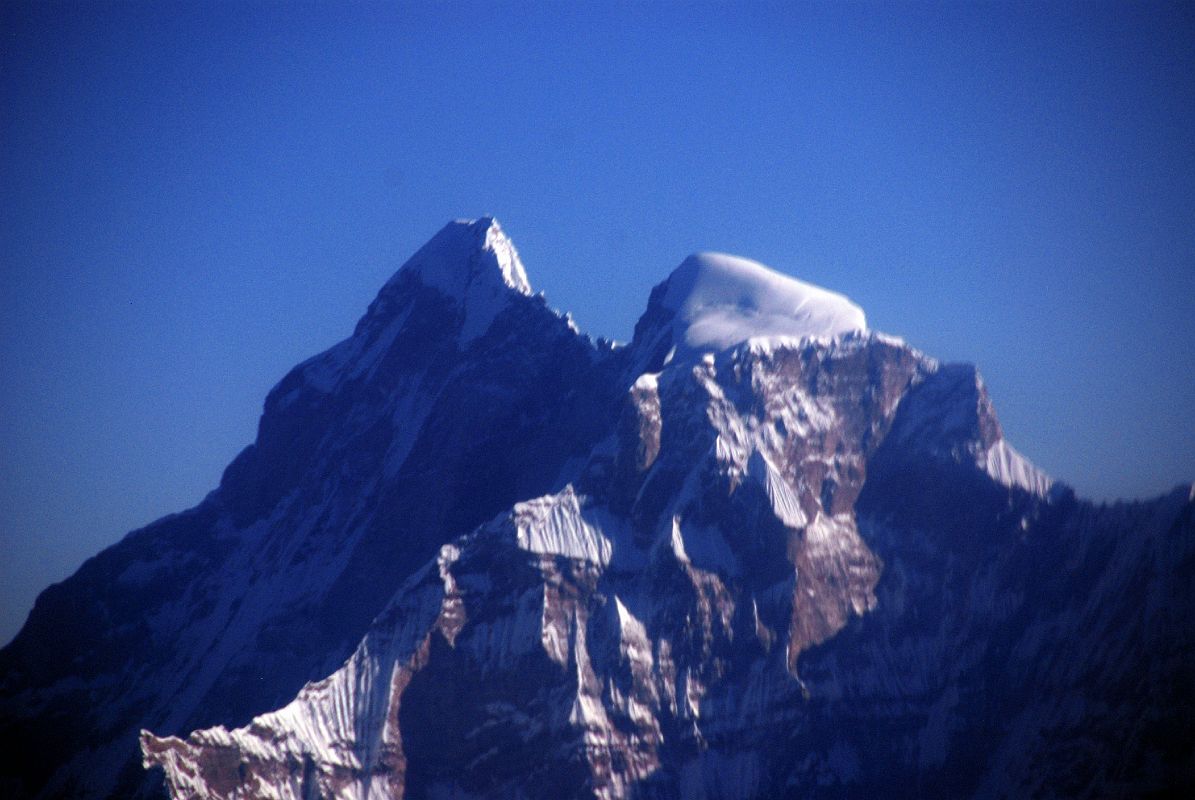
x,y
760,551
458,394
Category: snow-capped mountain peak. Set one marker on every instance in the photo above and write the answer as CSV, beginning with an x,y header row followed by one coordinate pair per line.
x,y
472,552
467,253
717,301
474,263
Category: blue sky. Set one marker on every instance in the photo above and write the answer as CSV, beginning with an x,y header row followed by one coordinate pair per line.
x,y
195,198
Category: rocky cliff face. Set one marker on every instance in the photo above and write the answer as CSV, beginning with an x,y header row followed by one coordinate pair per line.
x,y
457,395
758,552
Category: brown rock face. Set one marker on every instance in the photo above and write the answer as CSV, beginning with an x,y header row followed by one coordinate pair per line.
x,y
765,536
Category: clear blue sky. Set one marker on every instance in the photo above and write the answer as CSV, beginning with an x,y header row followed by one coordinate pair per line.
x,y
196,198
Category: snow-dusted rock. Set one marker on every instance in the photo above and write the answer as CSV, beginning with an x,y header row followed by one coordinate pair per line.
x,y
700,614
457,395
759,552
473,262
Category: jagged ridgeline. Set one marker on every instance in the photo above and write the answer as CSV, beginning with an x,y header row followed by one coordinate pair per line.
x,y
759,551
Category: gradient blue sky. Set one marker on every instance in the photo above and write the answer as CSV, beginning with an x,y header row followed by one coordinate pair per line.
x,y
195,198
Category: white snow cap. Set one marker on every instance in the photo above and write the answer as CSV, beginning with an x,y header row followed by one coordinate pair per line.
x,y
721,301
473,262
467,252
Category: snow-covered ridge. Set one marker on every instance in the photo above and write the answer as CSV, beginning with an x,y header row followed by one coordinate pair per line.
x,y
568,525
951,417
1009,468
720,301
474,263
466,252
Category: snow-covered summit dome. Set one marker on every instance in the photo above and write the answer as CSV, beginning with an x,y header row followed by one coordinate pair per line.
x,y
719,301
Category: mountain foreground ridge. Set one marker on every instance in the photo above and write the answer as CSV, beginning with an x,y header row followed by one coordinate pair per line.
x,y
759,551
